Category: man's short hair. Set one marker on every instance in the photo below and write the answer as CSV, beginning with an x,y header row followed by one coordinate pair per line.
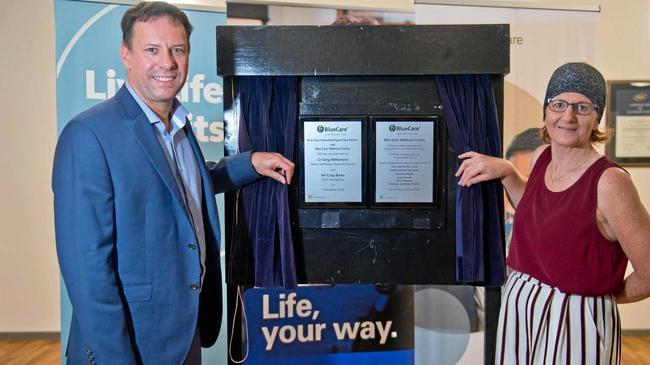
x,y
151,10
526,141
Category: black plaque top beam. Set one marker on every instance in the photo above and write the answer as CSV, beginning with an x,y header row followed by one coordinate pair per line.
x,y
363,50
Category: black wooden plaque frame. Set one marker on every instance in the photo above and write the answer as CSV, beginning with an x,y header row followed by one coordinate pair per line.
x,y
363,50
385,71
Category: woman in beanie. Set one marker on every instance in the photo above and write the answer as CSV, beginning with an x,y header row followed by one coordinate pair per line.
x,y
578,220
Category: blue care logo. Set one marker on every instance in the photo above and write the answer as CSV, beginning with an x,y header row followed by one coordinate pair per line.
x,y
408,128
322,129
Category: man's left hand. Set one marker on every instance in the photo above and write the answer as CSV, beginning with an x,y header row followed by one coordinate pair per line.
x,y
273,165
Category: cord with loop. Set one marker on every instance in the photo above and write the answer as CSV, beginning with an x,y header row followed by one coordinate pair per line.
x,y
244,327
237,300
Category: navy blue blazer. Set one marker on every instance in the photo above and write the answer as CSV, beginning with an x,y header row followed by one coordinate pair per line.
x,y
127,250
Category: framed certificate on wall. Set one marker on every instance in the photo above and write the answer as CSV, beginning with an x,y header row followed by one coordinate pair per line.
x,y
628,117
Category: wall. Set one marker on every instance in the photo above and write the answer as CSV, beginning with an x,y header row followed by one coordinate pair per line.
x,y
29,284
291,15
29,276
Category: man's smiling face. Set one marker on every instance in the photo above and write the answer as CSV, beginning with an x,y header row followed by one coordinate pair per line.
x,y
157,61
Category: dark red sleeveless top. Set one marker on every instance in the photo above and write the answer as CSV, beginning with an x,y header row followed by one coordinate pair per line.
x,y
556,239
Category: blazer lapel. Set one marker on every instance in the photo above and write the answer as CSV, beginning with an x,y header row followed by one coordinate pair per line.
x,y
146,137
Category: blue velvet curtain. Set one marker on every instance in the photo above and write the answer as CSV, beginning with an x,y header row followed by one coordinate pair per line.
x,y
262,235
472,124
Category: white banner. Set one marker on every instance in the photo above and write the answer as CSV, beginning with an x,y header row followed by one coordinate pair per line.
x,y
540,41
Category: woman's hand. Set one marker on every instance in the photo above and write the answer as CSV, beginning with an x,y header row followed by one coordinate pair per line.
x,y
477,168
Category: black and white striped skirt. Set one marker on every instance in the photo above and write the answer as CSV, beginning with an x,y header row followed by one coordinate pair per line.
x,y
539,324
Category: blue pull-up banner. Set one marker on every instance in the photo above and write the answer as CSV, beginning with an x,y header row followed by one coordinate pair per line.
x,y
89,71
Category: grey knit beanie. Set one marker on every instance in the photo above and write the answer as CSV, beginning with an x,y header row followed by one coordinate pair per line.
x,y
580,78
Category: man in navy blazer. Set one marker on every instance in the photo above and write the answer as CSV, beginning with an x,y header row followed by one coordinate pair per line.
x,y
137,230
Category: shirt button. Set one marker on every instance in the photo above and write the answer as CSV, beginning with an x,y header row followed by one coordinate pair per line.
x,y
191,246
194,287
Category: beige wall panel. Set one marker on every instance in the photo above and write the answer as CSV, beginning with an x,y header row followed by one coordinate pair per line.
x,y
29,275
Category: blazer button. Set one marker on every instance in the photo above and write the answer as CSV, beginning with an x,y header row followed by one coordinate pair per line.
x,y
194,287
191,246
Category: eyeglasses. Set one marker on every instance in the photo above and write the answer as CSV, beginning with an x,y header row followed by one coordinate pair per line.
x,y
582,108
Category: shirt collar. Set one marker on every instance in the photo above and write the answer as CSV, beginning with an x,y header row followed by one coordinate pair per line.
x,y
179,115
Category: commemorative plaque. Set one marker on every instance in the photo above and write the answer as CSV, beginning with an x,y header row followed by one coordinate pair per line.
x,y
404,168
333,157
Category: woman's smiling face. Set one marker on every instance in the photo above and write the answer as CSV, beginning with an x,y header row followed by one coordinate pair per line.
x,y
568,128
